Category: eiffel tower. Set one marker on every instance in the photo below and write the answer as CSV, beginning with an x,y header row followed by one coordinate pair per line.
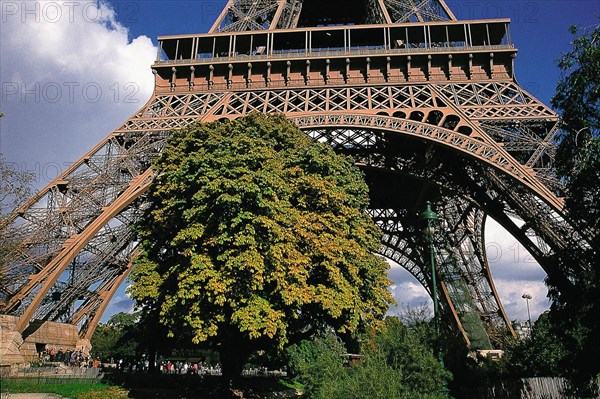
x,y
427,105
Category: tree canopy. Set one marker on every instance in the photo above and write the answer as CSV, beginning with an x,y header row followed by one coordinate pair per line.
x,y
256,237
113,342
576,314
577,98
15,188
539,355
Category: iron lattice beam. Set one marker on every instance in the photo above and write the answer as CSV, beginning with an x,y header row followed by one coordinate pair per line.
x,y
419,10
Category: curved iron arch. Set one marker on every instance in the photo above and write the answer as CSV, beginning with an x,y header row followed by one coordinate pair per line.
x,y
473,146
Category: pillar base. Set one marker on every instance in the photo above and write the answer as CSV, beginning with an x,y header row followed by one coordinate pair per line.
x,y
10,348
85,346
17,348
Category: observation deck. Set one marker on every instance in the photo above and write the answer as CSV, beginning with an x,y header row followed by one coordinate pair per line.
x,y
336,55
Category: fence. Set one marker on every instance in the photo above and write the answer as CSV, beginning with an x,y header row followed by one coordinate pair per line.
x,y
526,388
54,375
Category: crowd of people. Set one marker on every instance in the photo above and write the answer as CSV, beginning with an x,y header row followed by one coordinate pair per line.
x,y
185,367
166,366
69,357
77,359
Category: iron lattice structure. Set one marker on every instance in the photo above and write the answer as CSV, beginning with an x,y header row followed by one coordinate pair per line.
x,y
427,105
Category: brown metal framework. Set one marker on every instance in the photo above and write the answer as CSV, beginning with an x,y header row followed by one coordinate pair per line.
x,y
427,105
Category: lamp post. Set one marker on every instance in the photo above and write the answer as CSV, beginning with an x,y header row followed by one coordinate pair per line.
x,y
527,297
429,220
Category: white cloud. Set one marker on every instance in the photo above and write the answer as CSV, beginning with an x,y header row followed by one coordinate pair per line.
x,y
70,75
515,273
511,292
406,290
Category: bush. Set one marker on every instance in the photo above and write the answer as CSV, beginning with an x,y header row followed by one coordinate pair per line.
x,y
398,363
317,361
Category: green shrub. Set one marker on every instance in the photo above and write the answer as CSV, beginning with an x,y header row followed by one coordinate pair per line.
x,y
398,363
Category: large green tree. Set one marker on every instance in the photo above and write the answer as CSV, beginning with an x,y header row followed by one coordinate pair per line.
x,y
539,355
118,338
257,238
578,100
576,312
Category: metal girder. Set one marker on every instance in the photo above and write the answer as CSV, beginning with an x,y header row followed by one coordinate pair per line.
x,y
495,100
93,310
65,208
524,139
43,281
467,276
244,15
378,7
488,152
469,297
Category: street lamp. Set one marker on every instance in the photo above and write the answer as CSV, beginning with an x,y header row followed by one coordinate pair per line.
x,y
527,297
429,220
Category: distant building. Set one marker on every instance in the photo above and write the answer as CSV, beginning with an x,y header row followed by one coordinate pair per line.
x,y
492,354
522,328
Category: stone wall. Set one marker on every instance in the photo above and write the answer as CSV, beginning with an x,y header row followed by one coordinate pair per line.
x,y
19,348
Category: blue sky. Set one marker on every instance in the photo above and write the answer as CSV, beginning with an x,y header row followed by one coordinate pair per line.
x,y
70,72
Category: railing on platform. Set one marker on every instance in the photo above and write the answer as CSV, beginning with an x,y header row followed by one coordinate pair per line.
x,y
319,53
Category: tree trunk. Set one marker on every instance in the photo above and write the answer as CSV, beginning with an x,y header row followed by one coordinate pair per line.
x,y
233,353
152,369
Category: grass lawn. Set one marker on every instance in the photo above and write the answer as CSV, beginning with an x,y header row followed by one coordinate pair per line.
x,y
143,386
67,390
